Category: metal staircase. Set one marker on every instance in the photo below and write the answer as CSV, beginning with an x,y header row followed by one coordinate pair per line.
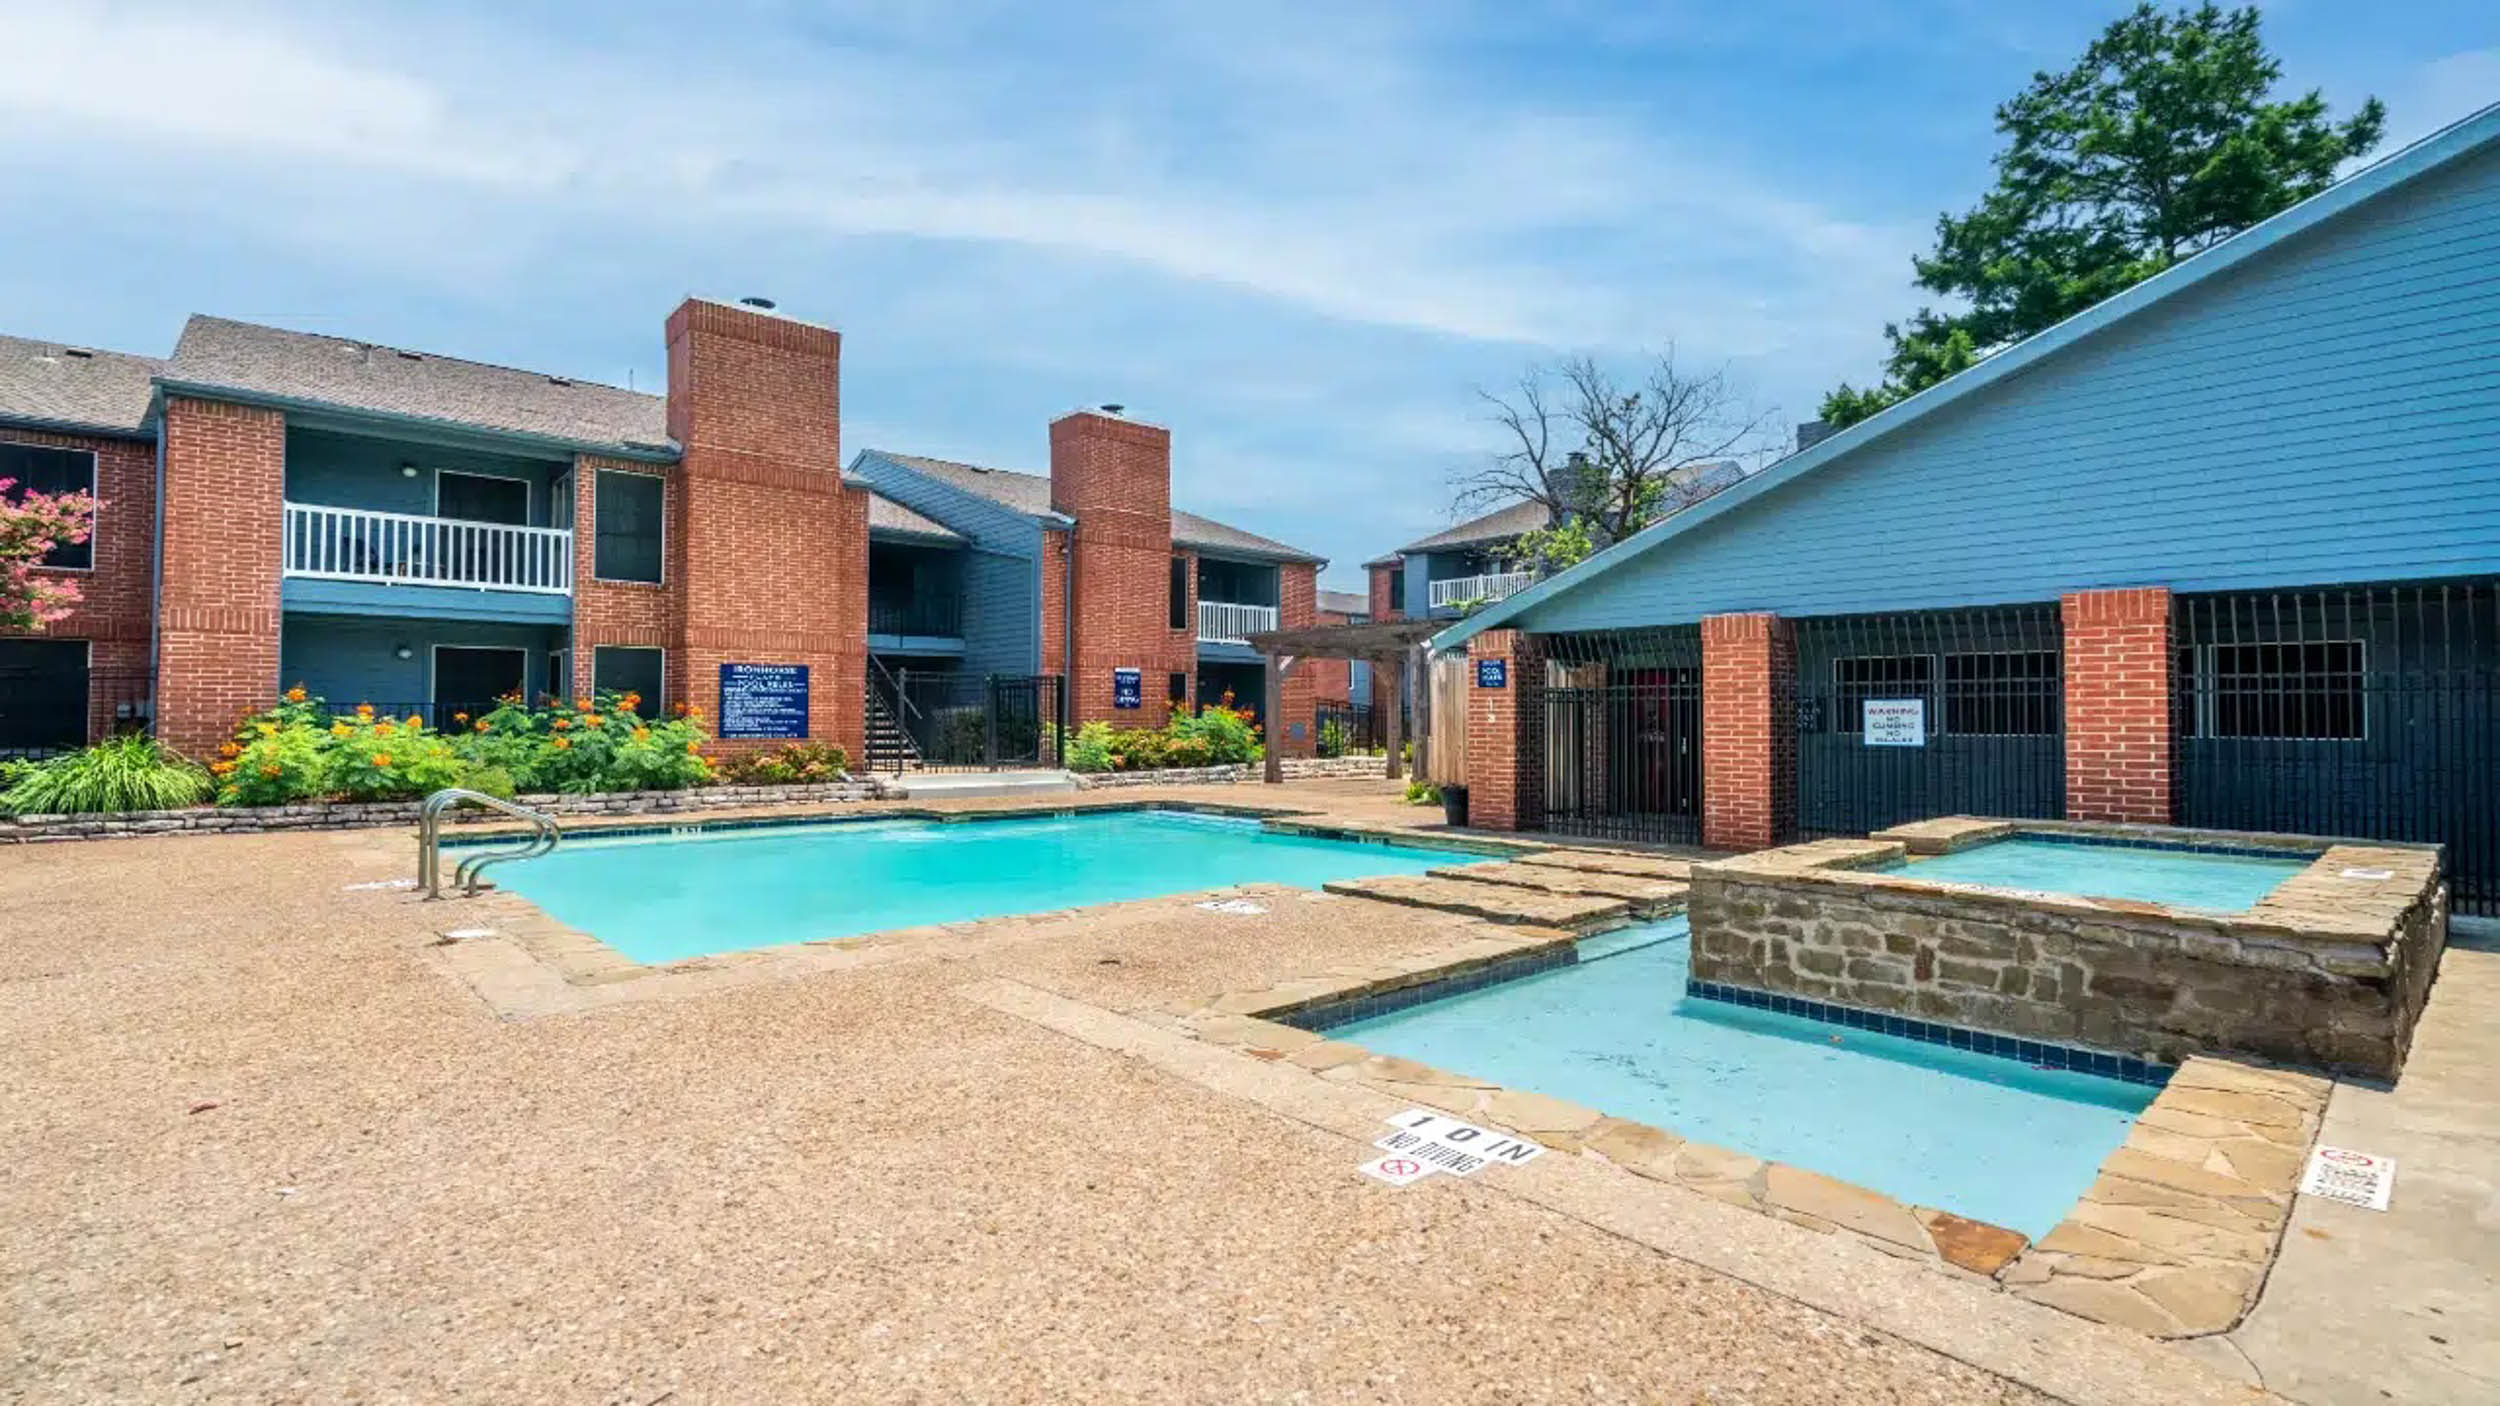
x,y
891,746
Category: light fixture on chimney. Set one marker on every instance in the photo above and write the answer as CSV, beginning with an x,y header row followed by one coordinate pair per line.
x,y
1113,409
407,471
760,304
403,652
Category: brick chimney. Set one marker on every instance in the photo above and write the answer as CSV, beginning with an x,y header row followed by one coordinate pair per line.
x,y
774,559
1114,476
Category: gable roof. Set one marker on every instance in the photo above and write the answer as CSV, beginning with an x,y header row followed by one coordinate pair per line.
x,y
53,386
887,518
1030,494
253,362
1345,602
2459,139
1502,524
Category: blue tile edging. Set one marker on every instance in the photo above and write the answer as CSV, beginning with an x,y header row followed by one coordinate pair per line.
x,y
2039,1054
2062,837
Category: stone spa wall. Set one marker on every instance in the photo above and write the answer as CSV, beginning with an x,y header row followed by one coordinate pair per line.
x,y
2330,971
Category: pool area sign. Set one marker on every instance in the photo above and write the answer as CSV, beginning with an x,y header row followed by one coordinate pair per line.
x,y
1492,673
1128,688
1896,722
763,700
2354,1178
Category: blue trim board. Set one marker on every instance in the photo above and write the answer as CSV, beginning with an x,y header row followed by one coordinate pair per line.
x,y
307,596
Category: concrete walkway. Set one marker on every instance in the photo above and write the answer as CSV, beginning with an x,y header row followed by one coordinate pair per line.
x,y
2402,1306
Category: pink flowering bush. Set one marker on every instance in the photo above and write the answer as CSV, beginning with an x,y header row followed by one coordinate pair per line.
x,y
31,525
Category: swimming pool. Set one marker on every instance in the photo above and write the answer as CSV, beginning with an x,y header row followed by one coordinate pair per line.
x,y
663,898
1982,1136
2219,881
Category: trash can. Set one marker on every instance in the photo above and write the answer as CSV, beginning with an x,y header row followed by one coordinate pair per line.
x,y
1454,804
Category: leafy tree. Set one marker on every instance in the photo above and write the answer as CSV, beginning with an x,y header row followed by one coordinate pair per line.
x,y
1606,457
2160,142
31,525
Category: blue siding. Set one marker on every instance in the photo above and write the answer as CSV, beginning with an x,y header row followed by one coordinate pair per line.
x,y
2328,411
1001,564
357,471
351,660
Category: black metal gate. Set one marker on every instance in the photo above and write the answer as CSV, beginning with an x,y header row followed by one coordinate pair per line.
x,y
2365,712
1623,735
943,720
1905,717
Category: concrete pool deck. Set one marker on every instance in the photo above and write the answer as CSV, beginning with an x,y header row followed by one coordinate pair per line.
x,y
270,1144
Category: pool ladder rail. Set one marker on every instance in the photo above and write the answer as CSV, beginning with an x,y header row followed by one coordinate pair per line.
x,y
543,839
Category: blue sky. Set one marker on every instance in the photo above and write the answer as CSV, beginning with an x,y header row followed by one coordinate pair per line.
x,y
1301,235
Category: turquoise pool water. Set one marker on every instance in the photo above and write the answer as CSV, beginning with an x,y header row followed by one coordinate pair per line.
x,y
1978,1135
2185,878
663,898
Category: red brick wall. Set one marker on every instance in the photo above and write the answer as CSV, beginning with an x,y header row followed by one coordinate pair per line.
x,y
1384,679
217,649
1749,731
114,611
2118,743
1054,600
627,612
1182,644
1297,595
775,547
1506,735
1332,680
1114,477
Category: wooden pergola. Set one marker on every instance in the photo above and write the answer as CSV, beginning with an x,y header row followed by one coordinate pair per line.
x,y
1395,645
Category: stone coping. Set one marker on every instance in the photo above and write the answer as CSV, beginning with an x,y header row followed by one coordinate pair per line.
x,y
2343,915
1293,768
343,815
2172,1239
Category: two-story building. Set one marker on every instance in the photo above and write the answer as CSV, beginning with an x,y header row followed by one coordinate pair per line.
x,y
427,534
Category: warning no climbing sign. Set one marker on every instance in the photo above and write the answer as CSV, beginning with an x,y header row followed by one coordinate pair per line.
x,y
1422,1142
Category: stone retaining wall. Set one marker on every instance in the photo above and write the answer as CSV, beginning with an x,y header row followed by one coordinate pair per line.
x,y
2329,971
342,815
1294,768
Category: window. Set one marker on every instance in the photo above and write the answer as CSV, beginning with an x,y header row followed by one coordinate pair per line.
x,y
559,673
1178,688
627,535
1180,593
481,498
1868,676
470,678
2304,691
39,469
2011,694
43,696
1397,588
618,668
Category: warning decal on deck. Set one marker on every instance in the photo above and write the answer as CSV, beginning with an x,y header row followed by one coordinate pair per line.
x,y
1461,1149
2354,1178
1397,1171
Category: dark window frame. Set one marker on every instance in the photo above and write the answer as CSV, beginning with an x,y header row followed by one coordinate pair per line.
x,y
1849,695
651,698
1180,592
66,556
2257,691
600,498
1176,687
1978,703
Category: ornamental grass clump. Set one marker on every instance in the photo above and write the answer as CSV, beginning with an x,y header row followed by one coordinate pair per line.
x,y
126,773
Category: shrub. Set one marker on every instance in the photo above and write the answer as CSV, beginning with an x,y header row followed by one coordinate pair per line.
x,y
488,781
1422,793
1331,741
1089,750
125,773
791,764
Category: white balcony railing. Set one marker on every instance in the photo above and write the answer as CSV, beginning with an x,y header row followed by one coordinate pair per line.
x,y
1227,622
355,544
1461,590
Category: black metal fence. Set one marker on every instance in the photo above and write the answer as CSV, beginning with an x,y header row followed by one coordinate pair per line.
x,y
948,721
2366,712
1623,729
1358,727
1904,717
47,711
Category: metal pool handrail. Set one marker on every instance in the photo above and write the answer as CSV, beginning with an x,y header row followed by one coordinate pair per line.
x,y
543,840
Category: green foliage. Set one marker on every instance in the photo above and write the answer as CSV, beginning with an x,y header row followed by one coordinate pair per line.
x,y
1088,750
791,764
1216,735
126,773
1565,543
14,770
1332,740
1422,793
2159,142
303,750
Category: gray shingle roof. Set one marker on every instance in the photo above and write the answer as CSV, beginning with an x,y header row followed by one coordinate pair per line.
x,y
253,360
1030,493
1345,602
47,383
887,516
1502,524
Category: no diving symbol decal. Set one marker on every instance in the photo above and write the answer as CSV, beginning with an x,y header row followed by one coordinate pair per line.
x,y
1423,1142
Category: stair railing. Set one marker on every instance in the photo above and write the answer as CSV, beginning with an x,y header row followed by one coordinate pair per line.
x,y
544,837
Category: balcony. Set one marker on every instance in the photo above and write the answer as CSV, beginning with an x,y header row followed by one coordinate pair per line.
x,y
1228,622
1473,590
923,613
404,549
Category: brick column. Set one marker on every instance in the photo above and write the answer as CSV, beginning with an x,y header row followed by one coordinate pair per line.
x,y
774,544
2118,743
1506,734
646,615
1298,606
1748,731
1114,476
217,626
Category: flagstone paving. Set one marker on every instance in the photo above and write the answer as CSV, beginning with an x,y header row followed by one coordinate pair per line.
x,y
1648,896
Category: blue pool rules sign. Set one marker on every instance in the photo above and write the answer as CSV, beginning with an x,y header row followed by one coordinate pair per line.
x,y
1492,673
763,700
1128,688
